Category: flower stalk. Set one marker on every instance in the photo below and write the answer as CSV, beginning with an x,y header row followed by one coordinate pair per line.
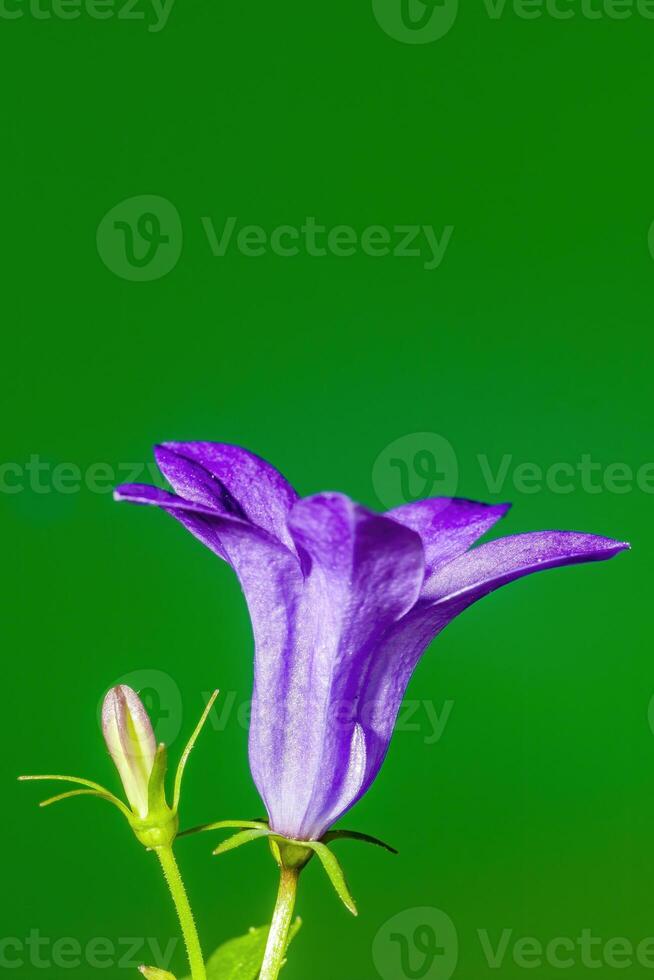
x,y
184,913
275,954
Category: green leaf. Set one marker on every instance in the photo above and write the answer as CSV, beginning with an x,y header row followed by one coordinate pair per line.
x,y
241,958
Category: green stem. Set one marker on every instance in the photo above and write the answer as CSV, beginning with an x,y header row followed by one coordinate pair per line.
x,y
184,913
281,923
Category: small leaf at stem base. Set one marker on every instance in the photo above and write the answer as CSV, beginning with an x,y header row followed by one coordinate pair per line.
x,y
241,958
152,973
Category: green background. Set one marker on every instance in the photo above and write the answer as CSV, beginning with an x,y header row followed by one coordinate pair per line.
x,y
533,812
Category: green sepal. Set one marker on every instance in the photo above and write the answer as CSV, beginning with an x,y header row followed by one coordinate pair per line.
x,y
91,789
334,872
289,854
241,958
292,854
80,792
243,837
157,782
153,973
159,828
224,825
177,789
295,854
333,835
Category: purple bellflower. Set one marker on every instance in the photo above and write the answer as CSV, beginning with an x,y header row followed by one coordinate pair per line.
x,y
344,602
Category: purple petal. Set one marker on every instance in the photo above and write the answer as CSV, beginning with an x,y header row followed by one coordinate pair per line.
x,y
455,587
228,535
307,752
491,565
192,482
187,513
231,479
397,657
371,568
448,526
142,493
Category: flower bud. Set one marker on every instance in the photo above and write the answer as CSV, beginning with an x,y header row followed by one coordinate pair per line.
x,y
152,973
128,733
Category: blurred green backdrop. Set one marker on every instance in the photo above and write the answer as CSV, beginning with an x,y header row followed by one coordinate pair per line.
x,y
530,809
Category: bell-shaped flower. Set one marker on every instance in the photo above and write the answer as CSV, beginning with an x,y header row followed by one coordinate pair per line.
x,y
343,602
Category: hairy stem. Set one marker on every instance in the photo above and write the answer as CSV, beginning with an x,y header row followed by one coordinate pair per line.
x,y
281,923
184,913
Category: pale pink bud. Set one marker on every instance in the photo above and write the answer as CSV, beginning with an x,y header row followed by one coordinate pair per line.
x,y
128,733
